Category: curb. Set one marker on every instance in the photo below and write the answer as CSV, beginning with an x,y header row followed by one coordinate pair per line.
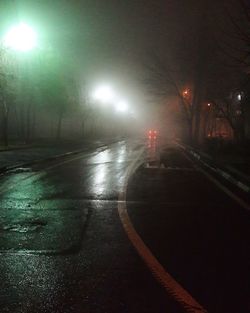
x,y
216,169
17,148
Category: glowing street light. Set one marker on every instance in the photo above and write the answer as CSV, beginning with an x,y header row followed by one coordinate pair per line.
x,y
104,94
21,38
122,106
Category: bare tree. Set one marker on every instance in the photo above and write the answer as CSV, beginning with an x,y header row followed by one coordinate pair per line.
x,y
8,87
164,81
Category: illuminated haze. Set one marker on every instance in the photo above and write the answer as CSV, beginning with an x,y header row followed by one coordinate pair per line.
x,y
109,41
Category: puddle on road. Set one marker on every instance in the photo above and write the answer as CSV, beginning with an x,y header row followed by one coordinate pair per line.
x,y
20,170
24,226
43,228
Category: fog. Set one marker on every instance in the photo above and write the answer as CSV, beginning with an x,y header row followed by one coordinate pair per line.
x,y
108,42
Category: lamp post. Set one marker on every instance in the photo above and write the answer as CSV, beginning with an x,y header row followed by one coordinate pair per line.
x,y
19,38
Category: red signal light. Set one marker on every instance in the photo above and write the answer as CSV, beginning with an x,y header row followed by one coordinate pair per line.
x,y
152,134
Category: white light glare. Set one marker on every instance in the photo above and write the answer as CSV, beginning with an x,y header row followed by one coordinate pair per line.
x,y
104,94
20,37
122,107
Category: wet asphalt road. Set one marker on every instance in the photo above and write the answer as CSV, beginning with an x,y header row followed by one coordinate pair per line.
x,y
63,247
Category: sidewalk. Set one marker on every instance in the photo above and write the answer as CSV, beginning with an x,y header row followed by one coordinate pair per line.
x,y
233,167
236,162
235,159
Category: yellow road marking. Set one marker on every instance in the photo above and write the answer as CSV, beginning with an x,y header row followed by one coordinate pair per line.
x,y
171,286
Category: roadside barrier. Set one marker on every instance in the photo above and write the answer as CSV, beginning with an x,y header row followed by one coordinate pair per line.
x,y
209,163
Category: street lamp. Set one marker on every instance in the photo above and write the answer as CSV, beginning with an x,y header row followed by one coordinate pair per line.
x,y
122,106
185,93
104,94
20,37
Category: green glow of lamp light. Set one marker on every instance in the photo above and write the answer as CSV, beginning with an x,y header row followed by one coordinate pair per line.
x,y
21,38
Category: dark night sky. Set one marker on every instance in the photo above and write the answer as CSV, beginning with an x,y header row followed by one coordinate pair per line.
x,y
109,40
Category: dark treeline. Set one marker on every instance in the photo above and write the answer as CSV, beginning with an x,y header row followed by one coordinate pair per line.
x,y
208,71
43,98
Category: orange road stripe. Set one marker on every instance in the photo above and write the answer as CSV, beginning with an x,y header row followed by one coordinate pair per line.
x,y
172,287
